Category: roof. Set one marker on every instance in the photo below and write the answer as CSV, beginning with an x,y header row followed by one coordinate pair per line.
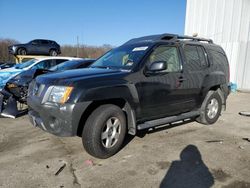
x,y
167,37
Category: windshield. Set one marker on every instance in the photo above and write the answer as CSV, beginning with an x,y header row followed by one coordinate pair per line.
x,y
124,57
26,64
64,66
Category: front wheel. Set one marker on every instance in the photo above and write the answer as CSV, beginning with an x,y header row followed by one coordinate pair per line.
x,y
104,131
211,108
21,51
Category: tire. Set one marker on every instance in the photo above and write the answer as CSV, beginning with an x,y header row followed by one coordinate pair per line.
x,y
210,109
21,51
53,53
107,121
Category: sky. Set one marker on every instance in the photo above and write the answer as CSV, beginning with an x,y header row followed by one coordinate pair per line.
x,y
95,22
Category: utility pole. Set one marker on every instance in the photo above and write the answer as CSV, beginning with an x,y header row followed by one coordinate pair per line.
x,y
77,49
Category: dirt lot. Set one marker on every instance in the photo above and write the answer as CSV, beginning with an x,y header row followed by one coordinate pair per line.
x,y
177,156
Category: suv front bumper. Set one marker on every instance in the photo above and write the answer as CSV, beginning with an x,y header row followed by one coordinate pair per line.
x,y
57,119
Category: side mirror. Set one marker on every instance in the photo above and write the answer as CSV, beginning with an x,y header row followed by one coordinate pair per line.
x,y
157,66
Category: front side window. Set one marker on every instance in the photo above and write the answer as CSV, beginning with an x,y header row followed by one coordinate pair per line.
x,y
168,54
35,42
45,64
64,66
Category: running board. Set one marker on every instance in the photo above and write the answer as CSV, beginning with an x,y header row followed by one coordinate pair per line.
x,y
166,120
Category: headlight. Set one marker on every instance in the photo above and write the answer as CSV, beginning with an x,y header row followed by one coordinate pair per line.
x,y
11,85
13,48
60,94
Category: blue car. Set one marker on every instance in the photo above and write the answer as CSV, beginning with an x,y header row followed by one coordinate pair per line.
x,y
37,63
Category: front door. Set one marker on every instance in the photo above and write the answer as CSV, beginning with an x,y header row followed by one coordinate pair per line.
x,y
164,93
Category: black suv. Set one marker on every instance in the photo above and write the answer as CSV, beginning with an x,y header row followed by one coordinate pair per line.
x,y
36,47
146,82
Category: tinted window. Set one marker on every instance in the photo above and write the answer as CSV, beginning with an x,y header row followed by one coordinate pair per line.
x,y
52,42
45,64
202,56
26,64
35,42
169,54
84,65
58,61
65,65
44,42
195,56
218,58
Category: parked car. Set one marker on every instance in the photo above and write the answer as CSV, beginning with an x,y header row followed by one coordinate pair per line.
x,y
18,85
36,47
6,65
23,73
37,63
147,82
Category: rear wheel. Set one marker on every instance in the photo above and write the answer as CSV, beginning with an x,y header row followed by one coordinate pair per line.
x,y
104,131
21,51
211,108
53,53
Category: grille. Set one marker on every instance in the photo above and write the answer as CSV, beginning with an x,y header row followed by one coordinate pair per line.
x,y
35,89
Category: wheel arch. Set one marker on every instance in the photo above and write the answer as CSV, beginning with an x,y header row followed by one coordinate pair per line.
x,y
120,102
21,47
215,81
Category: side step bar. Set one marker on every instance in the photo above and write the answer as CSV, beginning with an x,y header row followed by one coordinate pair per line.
x,y
166,120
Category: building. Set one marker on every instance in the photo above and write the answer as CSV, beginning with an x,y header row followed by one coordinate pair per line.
x,y
227,22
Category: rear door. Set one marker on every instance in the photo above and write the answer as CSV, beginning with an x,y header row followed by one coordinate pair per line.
x,y
44,47
165,93
195,69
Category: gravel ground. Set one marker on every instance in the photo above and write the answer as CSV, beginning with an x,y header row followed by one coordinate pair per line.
x,y
179,155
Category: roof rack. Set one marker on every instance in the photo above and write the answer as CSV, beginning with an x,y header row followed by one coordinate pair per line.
x,y
174,37
166,36
194,38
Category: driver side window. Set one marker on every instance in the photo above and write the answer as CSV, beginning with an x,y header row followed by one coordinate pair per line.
x,y
46,64
35,42
168,54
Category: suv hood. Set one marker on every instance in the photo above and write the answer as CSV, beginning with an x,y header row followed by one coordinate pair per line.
x,y
77,74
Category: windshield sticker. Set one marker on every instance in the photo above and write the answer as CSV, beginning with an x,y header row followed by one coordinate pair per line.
x,y
140,48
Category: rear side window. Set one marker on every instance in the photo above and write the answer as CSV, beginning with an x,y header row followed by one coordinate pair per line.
x,y
218,58
44,42
45,64
195,57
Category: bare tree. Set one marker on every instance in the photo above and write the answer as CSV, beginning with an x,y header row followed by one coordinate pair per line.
x,y
4,54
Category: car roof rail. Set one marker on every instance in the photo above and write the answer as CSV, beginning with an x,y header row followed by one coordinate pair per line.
x,y
194,38
173,37
167,36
